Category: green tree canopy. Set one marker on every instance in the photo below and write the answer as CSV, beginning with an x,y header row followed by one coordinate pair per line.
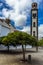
x,y
1,38
19,38
40,42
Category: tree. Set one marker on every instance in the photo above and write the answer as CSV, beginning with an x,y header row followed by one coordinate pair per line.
x,y
19,38
25,39
1,38
40,42
11,38
6,42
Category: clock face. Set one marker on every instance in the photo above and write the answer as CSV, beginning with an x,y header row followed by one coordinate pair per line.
x,y
34,15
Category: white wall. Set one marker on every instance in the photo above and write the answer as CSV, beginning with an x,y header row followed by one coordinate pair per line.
x,y
4,31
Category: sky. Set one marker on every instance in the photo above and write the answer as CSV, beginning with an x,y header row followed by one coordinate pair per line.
x,y
19,12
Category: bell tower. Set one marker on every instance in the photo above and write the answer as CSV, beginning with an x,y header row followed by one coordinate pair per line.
x,y
34,20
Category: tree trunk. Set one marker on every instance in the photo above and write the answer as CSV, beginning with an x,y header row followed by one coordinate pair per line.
x,y
23,52
36,48
25,47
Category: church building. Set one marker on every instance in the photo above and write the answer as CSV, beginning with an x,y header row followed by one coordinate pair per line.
x,y
5,27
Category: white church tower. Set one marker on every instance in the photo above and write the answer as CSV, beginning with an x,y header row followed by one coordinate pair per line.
x,y
34,20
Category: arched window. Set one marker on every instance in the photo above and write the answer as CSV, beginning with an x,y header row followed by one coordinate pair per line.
x,y
33,24
34,15
34,33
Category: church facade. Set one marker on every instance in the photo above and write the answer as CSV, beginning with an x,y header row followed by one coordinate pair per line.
x,y
5,27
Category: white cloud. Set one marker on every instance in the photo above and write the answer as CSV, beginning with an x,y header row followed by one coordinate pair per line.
x,y
19,3
26,29
20,20
18,6
5,12
40,30
21,8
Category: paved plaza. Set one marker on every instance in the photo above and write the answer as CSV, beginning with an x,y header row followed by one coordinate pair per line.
x,y
15,59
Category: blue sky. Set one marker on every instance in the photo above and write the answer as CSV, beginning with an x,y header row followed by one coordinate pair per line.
x,y
19,13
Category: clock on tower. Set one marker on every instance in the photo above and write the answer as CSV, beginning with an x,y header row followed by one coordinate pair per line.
x,y
34,20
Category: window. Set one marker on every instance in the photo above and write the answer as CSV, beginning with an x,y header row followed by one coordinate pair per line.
x,y
34,5
34,33
34,15
33,24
